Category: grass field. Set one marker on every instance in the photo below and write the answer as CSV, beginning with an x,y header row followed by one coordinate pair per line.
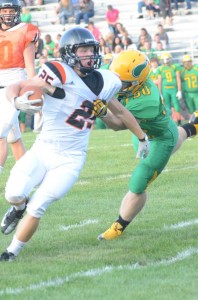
x,y
156,257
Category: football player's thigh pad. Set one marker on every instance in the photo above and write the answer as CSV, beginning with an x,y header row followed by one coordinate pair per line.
x,y
56,184
14,134
8,115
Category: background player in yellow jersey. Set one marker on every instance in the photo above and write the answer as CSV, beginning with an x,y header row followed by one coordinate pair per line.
x,y
17,53
169,83
189,78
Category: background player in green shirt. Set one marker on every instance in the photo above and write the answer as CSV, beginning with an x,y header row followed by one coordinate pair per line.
x,y
153,72
142,98
189,78
169,83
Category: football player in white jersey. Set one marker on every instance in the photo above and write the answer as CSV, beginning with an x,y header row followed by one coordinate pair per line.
x,y
72,89
17,53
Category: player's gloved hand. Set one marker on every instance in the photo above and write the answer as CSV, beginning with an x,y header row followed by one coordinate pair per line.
x,y
23,104
143,148
179,95
99,108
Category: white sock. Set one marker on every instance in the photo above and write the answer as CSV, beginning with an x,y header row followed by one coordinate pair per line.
x,y
19,207
16,246
1,169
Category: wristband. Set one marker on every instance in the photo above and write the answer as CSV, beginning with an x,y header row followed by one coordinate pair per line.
x,y
58,93
143,140
104,116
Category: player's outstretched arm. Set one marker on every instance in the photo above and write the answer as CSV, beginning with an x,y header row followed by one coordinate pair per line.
x,y
120,118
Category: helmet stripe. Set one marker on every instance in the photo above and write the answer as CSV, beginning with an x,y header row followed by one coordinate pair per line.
x,y
137,70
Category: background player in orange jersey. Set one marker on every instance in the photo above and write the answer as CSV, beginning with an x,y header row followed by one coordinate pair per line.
x,y
17,52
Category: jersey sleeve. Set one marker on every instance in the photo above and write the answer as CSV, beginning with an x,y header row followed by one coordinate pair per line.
x,y
32,34
54,73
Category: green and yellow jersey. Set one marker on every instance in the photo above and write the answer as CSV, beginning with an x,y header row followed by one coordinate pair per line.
x,y
168,74
148,107
189,79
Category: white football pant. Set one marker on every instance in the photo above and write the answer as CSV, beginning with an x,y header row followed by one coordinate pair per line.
x,y
9,124
55,174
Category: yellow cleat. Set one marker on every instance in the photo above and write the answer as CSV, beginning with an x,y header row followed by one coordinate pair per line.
x,y
194,118
113,232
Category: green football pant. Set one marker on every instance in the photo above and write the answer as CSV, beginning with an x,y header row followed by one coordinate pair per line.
x,y
148,169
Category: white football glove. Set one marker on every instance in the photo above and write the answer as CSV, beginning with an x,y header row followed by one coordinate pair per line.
x,y
143,148
23,104
179,95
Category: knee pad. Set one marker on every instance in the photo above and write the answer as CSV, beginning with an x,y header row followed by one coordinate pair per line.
x,y
16,193
14,200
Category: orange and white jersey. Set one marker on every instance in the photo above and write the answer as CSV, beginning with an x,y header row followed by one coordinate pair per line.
x,y
12,45
67,122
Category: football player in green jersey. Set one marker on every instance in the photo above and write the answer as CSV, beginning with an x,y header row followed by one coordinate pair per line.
x,y
169,83
189,78
142,98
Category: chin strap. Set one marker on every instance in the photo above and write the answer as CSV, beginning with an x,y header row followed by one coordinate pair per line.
x,y
85,71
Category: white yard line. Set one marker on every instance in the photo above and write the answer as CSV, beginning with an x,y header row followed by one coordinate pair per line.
x,y
181,224
97,272
94,221
181,168
123,176
81,224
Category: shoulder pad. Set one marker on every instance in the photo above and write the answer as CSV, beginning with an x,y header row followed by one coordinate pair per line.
x,y
33,33
112,84
110,74
54,73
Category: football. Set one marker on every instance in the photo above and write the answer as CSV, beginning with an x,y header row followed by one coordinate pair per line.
x,y
38,93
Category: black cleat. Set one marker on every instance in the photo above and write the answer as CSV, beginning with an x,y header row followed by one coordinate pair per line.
x,y
11,219
7,256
